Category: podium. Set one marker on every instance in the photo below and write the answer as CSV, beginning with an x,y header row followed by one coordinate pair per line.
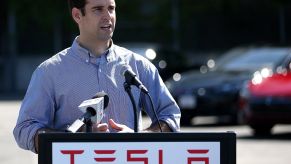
x,y
137,148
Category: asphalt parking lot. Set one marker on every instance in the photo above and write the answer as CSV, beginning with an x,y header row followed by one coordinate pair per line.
x,y
250,150
10,153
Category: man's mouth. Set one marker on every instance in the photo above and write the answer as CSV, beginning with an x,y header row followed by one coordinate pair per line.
x,y
106,27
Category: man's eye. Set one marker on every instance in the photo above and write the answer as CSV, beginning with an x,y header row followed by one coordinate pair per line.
x,y
111,8
97,9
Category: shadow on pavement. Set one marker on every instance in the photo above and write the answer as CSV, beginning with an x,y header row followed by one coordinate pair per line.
x,y
278,136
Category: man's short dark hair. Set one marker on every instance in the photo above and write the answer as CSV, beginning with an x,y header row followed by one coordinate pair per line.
x,y
79,4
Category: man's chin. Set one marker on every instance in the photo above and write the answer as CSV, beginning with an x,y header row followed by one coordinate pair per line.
x,y
105,38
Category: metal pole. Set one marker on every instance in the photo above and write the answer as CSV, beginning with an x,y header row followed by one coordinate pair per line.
x,y
128,90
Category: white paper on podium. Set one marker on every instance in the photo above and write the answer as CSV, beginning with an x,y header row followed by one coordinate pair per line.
x,y
152,152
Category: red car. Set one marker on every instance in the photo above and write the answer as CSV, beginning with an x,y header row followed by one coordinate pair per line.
x,y
266,100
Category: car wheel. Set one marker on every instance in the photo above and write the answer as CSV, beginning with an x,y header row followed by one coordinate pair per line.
x,y
234,119
240,117
234,116
260,129
186,118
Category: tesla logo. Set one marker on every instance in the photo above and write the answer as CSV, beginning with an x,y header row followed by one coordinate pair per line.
x,y
198,159
72,154
141,156
104,152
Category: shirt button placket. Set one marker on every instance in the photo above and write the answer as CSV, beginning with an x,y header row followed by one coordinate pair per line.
x,y
100,76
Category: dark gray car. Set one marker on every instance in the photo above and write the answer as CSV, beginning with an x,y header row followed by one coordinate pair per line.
x,y
214,89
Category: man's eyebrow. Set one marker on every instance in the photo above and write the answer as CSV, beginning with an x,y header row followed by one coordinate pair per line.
x,y
102,6
97,7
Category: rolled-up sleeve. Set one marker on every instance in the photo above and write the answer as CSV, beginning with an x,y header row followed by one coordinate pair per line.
x,y
164,104
36,110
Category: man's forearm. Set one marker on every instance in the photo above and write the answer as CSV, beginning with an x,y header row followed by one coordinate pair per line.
x,y
39,131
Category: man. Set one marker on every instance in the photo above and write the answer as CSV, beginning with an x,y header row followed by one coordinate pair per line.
x,y
90,65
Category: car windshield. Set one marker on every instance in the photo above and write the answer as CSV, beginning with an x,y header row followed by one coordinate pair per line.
x,y
253,59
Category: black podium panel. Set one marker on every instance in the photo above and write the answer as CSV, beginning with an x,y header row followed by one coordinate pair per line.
x,y
143,148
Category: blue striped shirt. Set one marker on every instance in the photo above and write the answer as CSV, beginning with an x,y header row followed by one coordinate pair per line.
x,y
62,82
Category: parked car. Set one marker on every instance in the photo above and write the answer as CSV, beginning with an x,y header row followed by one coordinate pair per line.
x,y
214,90
266,99
164,58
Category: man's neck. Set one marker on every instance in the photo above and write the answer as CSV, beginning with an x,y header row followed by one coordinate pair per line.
x,y
97,48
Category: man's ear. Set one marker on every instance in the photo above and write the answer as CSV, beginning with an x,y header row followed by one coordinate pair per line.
x,y
76,14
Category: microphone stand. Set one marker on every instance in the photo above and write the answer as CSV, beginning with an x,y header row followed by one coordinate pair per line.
x,y
153,109
128,90
88,125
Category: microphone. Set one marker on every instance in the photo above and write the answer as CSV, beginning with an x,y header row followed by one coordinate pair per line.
x,y
93,110
105,96
131,79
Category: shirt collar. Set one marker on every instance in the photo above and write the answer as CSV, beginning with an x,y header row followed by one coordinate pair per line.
x,y
85,55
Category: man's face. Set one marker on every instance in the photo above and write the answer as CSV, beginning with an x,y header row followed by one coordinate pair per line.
x,y
99,20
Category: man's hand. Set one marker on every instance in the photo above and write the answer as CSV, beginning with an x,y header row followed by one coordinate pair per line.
x,y
119,127
102,127
153,128
156,128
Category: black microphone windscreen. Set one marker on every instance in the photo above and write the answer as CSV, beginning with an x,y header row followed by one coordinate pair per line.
x,y
92,111
124,69
106,101
106,98
128,73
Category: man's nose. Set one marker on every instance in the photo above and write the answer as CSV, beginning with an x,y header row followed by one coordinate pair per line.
x,y
107,15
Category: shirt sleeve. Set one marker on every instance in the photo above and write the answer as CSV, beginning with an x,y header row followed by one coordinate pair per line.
x,y
164,104
36,110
